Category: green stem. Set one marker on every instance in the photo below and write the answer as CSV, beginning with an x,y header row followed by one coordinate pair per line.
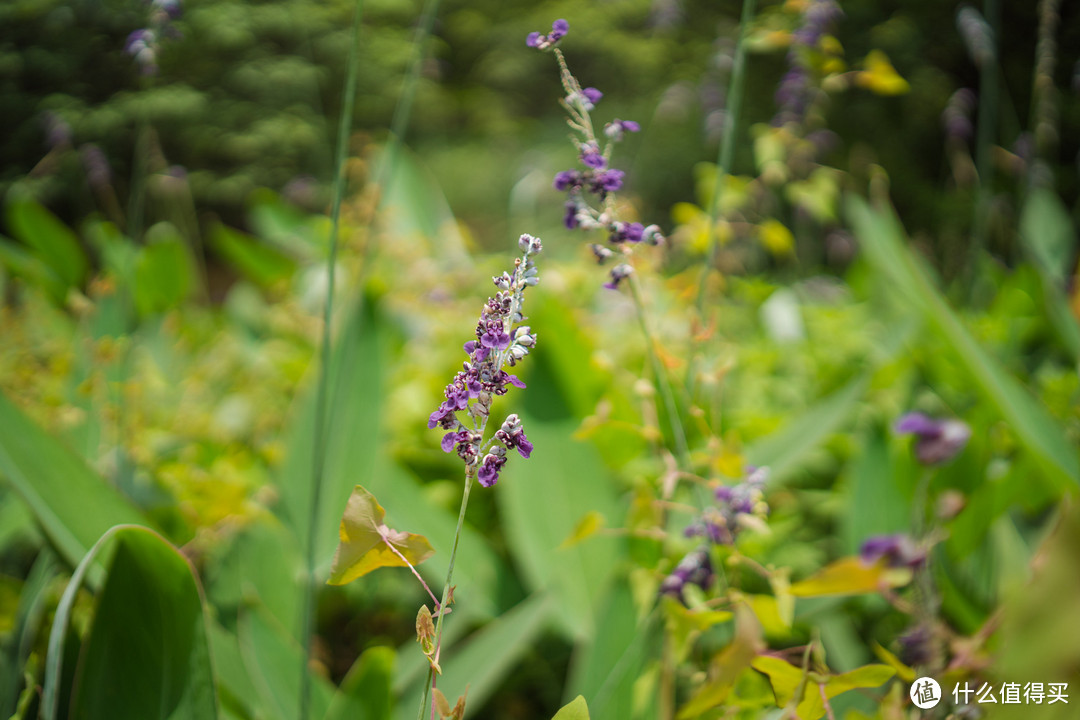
x,y
662,384
319,443
727,143
470,475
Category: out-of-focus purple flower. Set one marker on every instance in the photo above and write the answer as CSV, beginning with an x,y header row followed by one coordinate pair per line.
x,y
937,441
57,132
694,569
898,551
977,35
919,646
738,506
956,117
592,157
618,274
592,94
567,179
559,28
607,181
98,172
570,219
626,232
616,128
601,253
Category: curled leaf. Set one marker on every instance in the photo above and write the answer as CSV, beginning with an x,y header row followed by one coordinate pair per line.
x,y
366,543
425,630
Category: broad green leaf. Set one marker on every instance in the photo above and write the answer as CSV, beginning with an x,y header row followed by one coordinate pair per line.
x,y
786,680
590,524
1050,238
876,504
851,576
366,540
487,656
366,693
163,271
272,659
536,498
576,709
728,665
605,668
258,262
24,265
785,449
146,654
74,505
50,240
783,676
882,239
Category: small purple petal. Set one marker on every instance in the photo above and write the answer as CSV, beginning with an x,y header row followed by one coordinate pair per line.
x,y
629,126
592,95
515,381
533,40
448,441
916,423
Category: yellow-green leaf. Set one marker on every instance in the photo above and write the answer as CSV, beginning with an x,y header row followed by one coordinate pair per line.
x,y
728,665
577,709
587,526
365,541
906,673
851,576
879,76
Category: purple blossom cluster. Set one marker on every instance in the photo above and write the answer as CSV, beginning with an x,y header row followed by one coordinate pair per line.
x,y
936,441
590,188
559,28
795,92
144,44
694,569
898,551
737,507
501,339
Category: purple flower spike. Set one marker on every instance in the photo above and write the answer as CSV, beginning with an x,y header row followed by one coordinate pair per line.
x,y
937,441
694,569
898,550
592,157
559,28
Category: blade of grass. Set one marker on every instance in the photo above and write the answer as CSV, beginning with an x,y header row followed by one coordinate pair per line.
x,y
319,441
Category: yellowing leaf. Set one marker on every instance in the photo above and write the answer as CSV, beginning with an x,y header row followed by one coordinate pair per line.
x,y
768,614
365,541
776,238
906,673
851,576
588,526
728,665
783,676
578,709
880,76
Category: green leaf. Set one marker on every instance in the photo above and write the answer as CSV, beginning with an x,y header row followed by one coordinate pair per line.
x,y
163,271
146,654
876,504
258,262
783,451
366,540
851,576
576,709
729,664
882,239
1048,234
50,240
74,505
29,268
32,602
537,501
366,693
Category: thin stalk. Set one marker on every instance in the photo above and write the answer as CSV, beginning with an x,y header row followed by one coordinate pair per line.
x,y
662,384
412,569
727,143
137,201
1044,126
470,475
987,130
319,441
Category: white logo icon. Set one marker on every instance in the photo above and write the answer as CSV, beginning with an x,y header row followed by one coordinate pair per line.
x,y
925,693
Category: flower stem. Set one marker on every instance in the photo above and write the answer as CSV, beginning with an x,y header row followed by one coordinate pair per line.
x,y
319,442
727,143
662,384
413,570
470,475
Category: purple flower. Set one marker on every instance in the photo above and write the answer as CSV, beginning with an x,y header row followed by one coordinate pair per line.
x,y
937,441
567,179
570,219
898,550
592,157
488,474
601,253
694,569
618,274
592,95
512,436
623,232
559,28
533,40
616,128
607,181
